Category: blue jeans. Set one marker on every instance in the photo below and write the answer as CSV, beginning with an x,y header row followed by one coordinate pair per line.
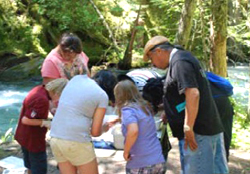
x,y
35,161
208,158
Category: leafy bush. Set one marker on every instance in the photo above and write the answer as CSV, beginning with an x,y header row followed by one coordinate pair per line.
x,y
8,136
241,126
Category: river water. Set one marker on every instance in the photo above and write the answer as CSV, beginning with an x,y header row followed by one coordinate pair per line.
x,y
12,95
11,98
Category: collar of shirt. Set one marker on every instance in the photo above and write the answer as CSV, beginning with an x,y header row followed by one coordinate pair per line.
x,y
172,53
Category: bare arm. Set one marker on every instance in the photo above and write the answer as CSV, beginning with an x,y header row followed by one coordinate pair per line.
x,y
31,122
36,122
96,129
131,137
191,111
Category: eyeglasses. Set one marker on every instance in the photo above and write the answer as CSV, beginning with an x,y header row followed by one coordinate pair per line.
x,y
67,50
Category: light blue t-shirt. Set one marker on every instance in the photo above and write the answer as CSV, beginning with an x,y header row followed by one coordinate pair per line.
x,y
147,149
77,104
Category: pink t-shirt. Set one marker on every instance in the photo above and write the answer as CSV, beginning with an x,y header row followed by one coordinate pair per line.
x,y
54,65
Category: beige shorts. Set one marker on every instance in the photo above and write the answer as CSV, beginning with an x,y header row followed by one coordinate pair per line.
x,y
75,152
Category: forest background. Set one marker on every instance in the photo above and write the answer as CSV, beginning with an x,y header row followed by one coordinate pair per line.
x,y
114,33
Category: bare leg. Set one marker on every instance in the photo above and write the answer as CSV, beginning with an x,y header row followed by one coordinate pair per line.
x,y
89,168
67,168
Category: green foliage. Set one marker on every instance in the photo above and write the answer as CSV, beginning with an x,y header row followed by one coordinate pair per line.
x,y
8,136
18,33
117,11
137,61
81,17
69,15
95,50
241,126
239,36
163,17
34,27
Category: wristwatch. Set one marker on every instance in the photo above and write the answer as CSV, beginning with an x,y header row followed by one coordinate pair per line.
x,y
186,128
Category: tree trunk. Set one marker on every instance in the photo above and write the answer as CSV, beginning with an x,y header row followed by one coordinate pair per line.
x,y
127,58
185,23
218,36
204,36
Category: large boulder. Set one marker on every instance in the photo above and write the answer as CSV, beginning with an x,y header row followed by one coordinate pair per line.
x,y
26,70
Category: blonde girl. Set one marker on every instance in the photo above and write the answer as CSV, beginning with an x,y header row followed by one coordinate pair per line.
x,y
142,149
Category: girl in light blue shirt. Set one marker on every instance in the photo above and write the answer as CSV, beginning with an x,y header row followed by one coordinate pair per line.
x,y
142,149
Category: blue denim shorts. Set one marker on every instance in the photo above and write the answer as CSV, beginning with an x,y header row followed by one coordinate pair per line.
x,y
35,161
210,157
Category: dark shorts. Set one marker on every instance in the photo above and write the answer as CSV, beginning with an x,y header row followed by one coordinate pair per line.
x,y
35,161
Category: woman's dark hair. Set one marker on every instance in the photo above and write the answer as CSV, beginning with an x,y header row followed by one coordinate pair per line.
x,y
107,81
71,42
153,92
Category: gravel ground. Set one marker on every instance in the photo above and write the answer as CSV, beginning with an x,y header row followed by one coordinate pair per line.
x,y
111,161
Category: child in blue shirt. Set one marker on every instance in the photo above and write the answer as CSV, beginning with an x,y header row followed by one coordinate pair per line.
x,y
142,149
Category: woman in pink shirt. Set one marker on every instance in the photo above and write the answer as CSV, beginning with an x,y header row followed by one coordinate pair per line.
x,y
66,60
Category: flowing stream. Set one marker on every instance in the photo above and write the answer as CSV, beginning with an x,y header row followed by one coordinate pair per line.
x,y
11,98
13,93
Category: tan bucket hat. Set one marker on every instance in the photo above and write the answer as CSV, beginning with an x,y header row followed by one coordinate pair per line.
x,y
156,40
